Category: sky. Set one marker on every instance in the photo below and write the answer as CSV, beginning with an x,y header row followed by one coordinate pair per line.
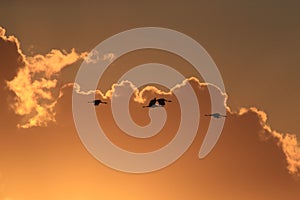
x,y
254,44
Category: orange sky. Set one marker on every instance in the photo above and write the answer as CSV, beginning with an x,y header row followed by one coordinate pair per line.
x,y
45,159
254,44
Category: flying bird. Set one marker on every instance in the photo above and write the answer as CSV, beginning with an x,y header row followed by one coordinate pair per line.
x,y
216,115
162,101
97,102
152,103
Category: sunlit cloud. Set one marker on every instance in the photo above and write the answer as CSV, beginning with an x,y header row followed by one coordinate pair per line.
x,y
94,57
139,95
288,143
34,83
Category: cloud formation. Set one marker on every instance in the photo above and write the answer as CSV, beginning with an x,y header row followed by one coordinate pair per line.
x,y
95,57
287,142
33,85
35,97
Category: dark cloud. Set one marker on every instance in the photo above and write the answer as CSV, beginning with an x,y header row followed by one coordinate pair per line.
x,y
256,128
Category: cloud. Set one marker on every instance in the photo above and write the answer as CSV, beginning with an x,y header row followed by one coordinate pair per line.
x,y
8,38
139,96
291,148
288,143
94,57
11,56
35,81
250,161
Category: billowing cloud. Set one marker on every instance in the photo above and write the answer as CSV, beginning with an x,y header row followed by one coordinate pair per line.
x,y
139,96
33,85
8,38
95,57
288,143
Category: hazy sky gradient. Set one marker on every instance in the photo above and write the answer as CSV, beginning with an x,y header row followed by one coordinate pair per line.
x,y
255,45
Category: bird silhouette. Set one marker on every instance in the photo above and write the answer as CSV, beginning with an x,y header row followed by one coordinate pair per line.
x,y
97,102
162,101
215,115
152,103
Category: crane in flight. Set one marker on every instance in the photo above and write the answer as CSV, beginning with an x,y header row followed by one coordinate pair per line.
x,y
215,115
162,101
96,102
152,103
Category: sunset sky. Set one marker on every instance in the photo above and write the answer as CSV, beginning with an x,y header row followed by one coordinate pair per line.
x,y
255,46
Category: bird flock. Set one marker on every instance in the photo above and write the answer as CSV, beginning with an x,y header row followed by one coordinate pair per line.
x,y
161,102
